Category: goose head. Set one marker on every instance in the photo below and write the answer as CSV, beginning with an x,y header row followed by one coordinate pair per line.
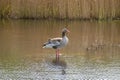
x,y
64,31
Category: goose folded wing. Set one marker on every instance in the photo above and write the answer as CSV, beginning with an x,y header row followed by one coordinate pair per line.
x,y
55,41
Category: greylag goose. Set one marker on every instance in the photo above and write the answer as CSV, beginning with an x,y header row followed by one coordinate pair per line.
x,y
57,43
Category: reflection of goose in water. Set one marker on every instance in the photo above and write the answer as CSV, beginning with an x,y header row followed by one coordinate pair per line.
x,y
57,43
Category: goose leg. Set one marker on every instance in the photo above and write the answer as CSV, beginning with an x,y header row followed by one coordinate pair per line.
x,y
57,55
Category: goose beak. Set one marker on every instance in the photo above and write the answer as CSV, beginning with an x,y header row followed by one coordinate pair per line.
x,y
68,31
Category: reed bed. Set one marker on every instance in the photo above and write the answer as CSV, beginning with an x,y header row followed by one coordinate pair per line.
x,y
61,9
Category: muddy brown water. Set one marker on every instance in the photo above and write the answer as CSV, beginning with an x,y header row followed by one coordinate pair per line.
x,y
93,52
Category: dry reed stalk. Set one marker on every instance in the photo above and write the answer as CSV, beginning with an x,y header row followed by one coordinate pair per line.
x,y
4,8
62,9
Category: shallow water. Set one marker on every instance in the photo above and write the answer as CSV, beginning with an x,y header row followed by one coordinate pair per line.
x,y
93,51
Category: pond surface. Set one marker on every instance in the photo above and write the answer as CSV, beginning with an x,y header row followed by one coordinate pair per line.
x,y
93,52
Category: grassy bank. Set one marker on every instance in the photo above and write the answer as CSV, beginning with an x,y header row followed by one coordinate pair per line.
x,y
61,9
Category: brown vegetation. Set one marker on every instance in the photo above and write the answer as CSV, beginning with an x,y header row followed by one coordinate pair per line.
x,y
61,9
